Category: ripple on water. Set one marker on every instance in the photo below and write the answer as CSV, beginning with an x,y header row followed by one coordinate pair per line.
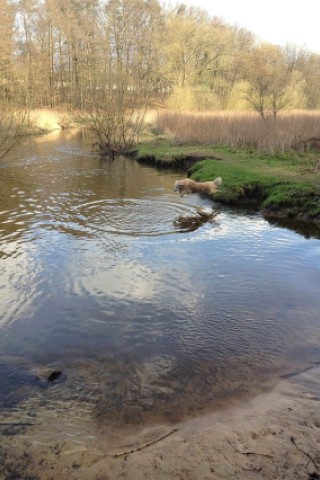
x,y
148,310
140,217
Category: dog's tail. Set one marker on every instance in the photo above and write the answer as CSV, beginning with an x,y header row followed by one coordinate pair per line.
x,y
217,181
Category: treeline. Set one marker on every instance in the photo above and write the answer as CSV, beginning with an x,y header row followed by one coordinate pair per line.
x,y
77,54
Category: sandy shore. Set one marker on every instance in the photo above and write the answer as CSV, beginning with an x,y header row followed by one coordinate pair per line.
x,y
276,435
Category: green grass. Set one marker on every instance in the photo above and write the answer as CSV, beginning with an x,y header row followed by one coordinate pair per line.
x,y
270,188
288,183
239,185
164,153
294,199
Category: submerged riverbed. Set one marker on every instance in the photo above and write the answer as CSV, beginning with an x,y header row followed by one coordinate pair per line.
x,y
149,318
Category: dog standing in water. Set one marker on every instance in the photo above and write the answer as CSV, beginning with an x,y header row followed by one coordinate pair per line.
x,y
191,186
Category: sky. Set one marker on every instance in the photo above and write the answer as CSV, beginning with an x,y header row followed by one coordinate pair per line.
x,y
275,21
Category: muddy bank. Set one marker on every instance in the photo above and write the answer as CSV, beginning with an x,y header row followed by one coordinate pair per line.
x,y
275,435
287,219
179,162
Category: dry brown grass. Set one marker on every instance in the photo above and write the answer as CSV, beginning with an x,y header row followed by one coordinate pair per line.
x,y
49,119
294,130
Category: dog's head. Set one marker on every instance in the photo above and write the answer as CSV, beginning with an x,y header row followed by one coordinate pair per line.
x,y
177,186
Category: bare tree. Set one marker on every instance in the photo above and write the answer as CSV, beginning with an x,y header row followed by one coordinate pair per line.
x,y
116,107
268,79
6,49
79,53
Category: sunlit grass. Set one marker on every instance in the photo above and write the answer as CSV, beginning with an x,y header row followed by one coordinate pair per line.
x,y
292,130
46,119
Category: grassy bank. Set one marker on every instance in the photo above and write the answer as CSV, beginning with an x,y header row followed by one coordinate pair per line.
x,y
164,153
278,190
280,185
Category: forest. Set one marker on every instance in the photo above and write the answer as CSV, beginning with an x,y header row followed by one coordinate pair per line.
x,y
85,54
103,64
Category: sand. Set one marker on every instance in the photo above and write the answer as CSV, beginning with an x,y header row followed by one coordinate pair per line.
x,y
275,435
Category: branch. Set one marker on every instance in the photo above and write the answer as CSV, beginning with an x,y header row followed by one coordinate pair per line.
x,y
145,445
250,453
292,439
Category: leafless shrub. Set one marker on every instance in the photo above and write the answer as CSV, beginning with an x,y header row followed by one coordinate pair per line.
x,y
14,127
114,130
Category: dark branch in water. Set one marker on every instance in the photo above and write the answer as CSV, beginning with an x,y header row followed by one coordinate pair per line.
x,y
145,445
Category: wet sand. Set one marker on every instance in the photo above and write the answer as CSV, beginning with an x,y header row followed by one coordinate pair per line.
x,y
275,435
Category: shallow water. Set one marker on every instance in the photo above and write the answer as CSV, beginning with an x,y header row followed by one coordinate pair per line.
x,y
148,316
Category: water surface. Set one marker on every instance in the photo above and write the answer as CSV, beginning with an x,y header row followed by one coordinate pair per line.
x,y
148,315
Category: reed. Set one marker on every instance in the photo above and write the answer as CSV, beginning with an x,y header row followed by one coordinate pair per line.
x,y
47,120
291,131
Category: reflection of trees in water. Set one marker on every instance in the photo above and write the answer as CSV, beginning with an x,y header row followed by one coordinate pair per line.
x,y
14,217
61,194
47,188
53,193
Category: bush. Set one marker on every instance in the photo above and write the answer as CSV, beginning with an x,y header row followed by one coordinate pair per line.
x,y
13,128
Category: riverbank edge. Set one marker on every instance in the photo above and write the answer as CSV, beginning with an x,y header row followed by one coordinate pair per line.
x,y
253,192
275,434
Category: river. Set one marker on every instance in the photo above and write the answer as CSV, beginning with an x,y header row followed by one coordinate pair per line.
x,y
149,316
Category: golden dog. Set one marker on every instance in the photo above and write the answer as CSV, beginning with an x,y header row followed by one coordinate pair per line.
x,y
191,186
